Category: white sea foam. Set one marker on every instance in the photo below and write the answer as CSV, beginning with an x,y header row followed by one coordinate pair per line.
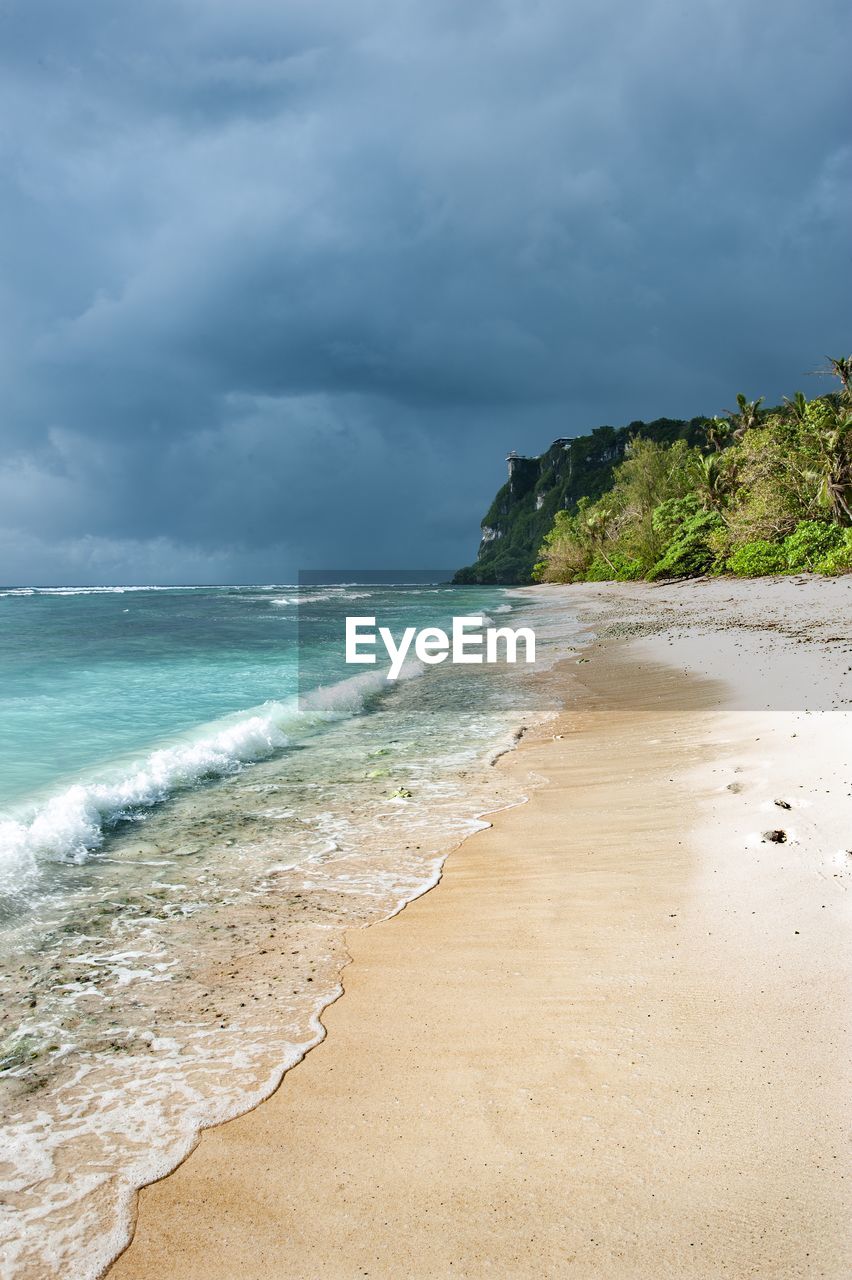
x,y
69,825
134,1100
313,597
123,590
85,591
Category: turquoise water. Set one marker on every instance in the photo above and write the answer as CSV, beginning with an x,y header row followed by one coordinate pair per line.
x,y
113,698
89,676
198,799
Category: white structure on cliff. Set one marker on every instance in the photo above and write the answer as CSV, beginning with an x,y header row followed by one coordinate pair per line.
x,y
512,460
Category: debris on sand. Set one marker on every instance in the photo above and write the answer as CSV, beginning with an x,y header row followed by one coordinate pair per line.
x,y
777,836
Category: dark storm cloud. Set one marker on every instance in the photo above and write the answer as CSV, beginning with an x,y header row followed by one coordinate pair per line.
x,y
282,281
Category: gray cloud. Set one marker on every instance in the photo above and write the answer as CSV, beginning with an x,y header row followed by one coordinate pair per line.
x,y
281,283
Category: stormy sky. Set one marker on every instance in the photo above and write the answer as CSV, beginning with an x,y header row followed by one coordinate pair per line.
x,y
282,282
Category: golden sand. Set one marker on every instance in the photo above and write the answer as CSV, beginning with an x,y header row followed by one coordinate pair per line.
x,y
608,1044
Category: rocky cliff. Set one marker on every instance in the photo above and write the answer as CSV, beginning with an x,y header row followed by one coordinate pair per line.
x,y
523,510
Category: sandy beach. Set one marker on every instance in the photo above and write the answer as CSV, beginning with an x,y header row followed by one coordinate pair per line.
x,y
614,1040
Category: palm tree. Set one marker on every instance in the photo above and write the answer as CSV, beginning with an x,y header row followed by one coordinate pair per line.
x,y
717,433
835,473
599,522
841,367
797,407
710,481
745,416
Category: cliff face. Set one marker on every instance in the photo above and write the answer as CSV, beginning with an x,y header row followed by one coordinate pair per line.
x,y
523,510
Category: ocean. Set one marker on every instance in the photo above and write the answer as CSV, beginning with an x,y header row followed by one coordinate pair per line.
x,y
198,797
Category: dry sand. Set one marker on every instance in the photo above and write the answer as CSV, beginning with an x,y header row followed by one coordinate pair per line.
x,y
614,1041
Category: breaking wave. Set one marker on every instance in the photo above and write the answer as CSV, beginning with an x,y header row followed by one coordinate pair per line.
x,y
71,824
314,597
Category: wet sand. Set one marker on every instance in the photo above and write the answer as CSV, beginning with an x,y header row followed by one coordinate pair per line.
x,y
613,1042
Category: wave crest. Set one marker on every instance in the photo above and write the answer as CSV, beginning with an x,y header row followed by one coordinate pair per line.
x,y
70,825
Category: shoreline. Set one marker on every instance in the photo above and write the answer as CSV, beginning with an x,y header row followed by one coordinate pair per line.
x,y
205,941
303,1184
324,1003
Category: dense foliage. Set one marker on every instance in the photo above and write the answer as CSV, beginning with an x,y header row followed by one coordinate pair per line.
x,y
568,472
762,491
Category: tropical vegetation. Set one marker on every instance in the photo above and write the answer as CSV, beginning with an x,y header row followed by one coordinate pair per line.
x,y
571,469
755,491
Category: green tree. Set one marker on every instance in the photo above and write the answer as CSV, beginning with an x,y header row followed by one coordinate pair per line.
x,y
745,416
797,407
711,478
718,433
841,367
768,492
832,430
